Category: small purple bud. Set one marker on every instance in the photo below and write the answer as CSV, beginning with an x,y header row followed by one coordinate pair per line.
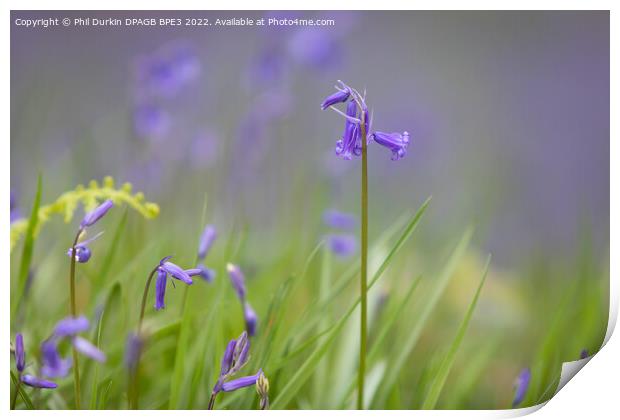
x,y
34,382
240,353
339,220
160,289
92,217
71,326
206,273
176,272
250,319
342,245
240,382
227,359
339,97
88,349
209,235
396,142
54,366
584,354
133,348
82,254
521,385
20,355
237,279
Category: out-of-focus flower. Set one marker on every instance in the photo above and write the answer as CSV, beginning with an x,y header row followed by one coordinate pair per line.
x,y
88,349
15,212
133,348
34,382
250,319
209,235
93,216
54,366
342,245
150,121
339,220
396,142
71,326
206,273
315,48
521,385
237,279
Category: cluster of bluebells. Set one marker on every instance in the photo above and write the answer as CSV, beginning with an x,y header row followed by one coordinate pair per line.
x,y
20,365
358,125
54,366
235,357
238,282
81,251
209,235
341,244
165,269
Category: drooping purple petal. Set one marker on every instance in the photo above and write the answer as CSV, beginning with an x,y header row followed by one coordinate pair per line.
x,y
521,385
237,279
88,349
242,382
194,272
54,366
20,354
396,142
176,272
93,216
206,273
209,235
227,359
340,96
34,382
342,245
250,319
160,289
339,220
71,326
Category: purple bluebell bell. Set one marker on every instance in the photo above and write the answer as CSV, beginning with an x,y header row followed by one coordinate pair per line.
x,y
20,354
93,216
71,326
177,272
160,289
237,279
82,251
54,366
206,273
133,348
339,220
396,142
88,349
209,235
250,319
522,384
242,382
34,382
342,245
340,96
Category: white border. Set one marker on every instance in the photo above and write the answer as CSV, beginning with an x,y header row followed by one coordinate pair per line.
x,y
594,393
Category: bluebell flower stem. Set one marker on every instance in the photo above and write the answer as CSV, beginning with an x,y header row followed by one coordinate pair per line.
x,y
363,268
76,367
19,384
212,401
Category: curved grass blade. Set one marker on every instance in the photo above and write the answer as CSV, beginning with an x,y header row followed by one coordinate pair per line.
x,y
446,365
22,393
438,288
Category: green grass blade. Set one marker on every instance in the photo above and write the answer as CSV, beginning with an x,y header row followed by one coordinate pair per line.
x,y
24,266
22,393
176,384
446,365
431,301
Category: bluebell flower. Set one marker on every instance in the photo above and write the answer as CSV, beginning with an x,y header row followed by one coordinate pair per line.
x,y
71,326
34,382
150,121
396,142
82,251
521,386
20,354
342,245
88,349
242,382
133,348
342,94
160,289
93,216
237,279
250,319
206,273
339,220
178,273
166,268
54,366
209,235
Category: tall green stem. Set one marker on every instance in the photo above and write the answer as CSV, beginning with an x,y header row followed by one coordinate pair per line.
x,y
363,268
19,383
133,376
76,367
